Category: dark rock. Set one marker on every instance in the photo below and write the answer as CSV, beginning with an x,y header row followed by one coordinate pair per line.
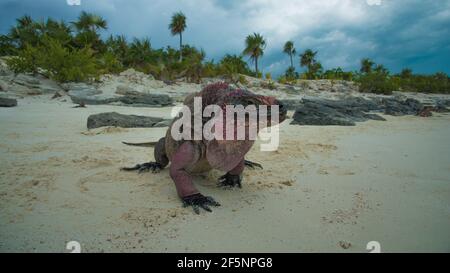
x,y
147,99
399,107
308,116
442,106
335,112
36,82
89,95
6,102
27,80
374,117
84,93
292,104
349,110
169,82
91,100
119,120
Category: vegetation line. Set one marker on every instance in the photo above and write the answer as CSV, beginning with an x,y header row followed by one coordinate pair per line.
x,y
75,52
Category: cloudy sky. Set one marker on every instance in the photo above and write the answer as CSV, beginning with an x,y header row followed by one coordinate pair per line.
x,y
396,33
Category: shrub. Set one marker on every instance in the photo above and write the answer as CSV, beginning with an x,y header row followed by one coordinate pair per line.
x,y
347,76
63,64
377,83
290,74
242,80
269,85
27,61
282,80
6,46
209,70
58,62
109,63
231,64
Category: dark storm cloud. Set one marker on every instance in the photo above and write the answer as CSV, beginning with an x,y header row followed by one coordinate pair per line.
x,y
400,33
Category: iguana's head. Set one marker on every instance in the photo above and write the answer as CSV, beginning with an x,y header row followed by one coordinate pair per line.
x,y
245,98
222,94
225,153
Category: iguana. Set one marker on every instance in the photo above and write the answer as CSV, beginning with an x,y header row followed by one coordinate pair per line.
x,y
189,157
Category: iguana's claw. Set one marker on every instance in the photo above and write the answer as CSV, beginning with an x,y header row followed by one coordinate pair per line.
x,y
230,180
198,201
145,167
252,165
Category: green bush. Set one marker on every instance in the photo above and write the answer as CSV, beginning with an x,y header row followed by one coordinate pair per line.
x,y
58,62
242,79
437,83
282,80
110,64
64,64
6,46
290,74
27,61
269,85
377,83
210,70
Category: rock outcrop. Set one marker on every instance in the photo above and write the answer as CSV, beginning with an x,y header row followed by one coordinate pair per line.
x,y
7,102
331,112
87,94
347,111
124,121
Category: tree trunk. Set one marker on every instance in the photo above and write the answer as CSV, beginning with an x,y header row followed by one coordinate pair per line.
x,y
292,64
256,66
181,47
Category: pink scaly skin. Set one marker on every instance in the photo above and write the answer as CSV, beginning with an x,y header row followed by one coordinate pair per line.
x,y
183,157
188,157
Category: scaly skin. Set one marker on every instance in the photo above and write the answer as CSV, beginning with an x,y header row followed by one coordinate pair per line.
x,y
189,157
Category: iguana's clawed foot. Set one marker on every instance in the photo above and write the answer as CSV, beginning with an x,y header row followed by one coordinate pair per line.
x,y
252,165
230,180
198,201
145,167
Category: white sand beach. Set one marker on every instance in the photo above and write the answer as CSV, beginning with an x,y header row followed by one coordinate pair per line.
x,y
327,189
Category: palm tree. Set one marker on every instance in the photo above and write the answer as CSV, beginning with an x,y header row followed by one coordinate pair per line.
x,y
315,70
89,22
118,46
381,69
254,47
87,26
366,65
59,31
177,26
290,50
308,58
25,31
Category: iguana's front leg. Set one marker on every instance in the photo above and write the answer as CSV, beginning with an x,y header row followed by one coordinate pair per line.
x,y
185,156
233,178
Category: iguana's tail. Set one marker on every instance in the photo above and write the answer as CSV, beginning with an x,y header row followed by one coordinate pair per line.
x,y
142,144
160,157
